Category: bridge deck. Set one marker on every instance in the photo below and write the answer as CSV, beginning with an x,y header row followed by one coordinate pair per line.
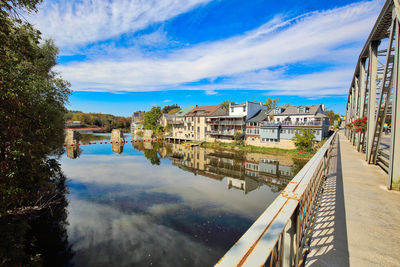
x,y
358,223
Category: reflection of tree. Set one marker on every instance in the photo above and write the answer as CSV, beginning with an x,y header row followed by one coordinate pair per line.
x,y
73,152
152,156
298,165
37,236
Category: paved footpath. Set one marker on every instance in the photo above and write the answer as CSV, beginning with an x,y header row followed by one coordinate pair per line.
x,y
358,222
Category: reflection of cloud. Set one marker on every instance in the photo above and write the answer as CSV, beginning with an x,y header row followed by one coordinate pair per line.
x,y
105,236
196,191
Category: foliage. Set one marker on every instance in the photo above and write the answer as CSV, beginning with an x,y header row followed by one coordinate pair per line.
x,y
238,137
32,109
168,108
151,119
332,116
226,103
174,111
152,156
304,141
271,103
105,121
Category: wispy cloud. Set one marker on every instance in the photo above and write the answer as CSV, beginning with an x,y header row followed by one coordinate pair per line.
x,y
210,92
253,60
167,101
74,23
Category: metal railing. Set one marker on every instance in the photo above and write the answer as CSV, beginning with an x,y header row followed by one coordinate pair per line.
x,y
231,132
290,123
280,236
241,122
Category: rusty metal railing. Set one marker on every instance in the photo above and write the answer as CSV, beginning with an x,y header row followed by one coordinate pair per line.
x,y
281,235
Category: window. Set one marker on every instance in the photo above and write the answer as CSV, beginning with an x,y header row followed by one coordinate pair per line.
x,y
232,110
244,108
198,119
192,128
198,129
205,129
273,130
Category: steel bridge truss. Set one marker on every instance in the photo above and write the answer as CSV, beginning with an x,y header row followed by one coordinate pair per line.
x,y
374,93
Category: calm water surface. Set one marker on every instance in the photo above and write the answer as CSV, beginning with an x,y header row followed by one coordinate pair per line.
x,y
164,205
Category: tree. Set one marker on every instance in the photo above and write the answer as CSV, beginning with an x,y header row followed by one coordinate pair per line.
x,y
304,141
151,118
226,103
166,109
32,112
332,116
271,103
238,137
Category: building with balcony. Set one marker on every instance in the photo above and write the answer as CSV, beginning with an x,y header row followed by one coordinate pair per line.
x,y
224,128
177,123
194,125
277,127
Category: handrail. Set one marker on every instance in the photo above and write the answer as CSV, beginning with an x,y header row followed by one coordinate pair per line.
x,y
279,235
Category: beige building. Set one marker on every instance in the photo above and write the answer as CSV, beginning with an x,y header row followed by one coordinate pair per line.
x,y
193,125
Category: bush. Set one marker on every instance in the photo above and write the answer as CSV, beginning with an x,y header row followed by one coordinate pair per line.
x,y
238,137
304,141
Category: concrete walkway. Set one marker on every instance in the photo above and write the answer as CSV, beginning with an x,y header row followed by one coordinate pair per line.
x,y
358,223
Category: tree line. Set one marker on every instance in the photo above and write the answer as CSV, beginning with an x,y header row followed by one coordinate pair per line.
x,y
105,121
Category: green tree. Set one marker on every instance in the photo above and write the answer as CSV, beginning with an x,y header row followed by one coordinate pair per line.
x,y
271,103
151,118
238,137
332,116
305,140
168,108
32,112
226,103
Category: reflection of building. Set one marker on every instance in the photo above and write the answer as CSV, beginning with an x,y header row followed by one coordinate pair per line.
x,y
246,185
243,172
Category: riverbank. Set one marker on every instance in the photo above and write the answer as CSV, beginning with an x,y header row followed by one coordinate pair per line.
x,y
294,153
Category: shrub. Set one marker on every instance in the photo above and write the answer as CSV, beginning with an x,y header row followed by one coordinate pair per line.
x,y
304,141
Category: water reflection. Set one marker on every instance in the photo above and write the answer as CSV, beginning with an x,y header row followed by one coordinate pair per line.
x,y
166,205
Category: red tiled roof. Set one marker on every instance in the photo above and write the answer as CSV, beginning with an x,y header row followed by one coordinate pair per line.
x,y
204,110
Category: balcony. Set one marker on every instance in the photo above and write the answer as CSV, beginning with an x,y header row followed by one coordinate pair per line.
x,y
176,122
226,122
223,132
290,123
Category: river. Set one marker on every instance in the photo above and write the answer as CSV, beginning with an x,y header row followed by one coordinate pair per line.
x,y
155,204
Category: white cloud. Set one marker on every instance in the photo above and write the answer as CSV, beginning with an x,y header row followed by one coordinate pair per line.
x,y
210,92
167,101
74,23
331,37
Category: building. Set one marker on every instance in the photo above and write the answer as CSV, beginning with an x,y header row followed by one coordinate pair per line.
x,y
224,128
166,119
277,127
195,126
137,121
177,124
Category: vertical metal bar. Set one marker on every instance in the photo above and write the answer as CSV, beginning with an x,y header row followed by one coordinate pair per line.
x,y
394,160
356,104
288,238
373,62
362,86
380,119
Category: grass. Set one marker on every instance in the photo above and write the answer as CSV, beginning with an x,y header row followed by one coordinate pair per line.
x,y
294,153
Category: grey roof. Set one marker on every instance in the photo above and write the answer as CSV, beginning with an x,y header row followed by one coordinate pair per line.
x,y
292,110
260,116
168,116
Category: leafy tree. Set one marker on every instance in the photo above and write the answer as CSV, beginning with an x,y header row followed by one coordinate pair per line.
x,y
271,103
151,118
238,137
168,108
226,103
173,111
332,116
304,141
32,111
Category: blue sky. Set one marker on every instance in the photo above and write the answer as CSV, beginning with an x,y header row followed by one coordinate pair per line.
x,y
127,55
